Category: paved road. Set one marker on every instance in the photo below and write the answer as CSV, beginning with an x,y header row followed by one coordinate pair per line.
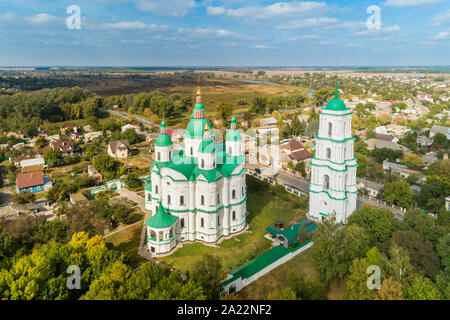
x,y
6,195
141,120
303,184
133,196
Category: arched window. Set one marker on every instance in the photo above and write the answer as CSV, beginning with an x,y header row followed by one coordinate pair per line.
x,y
170,154
171,232
218,198
192,151
328,153
153,234
156,189
149,197
203,163
168,199
218,221
233,216
161,235
330,129
202,223
202,200
229,150
182,222
326,182
242,191
214,163
233,194
181,200
159,156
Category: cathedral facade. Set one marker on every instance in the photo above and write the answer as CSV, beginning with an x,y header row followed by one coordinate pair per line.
x,y
333,169
197,193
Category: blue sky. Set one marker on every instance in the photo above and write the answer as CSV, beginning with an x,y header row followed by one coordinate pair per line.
x,y
224,33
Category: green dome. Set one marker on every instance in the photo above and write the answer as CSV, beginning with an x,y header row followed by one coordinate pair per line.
x,y
199,107
233,135
161,219
336,104
163,140
207,146
195,128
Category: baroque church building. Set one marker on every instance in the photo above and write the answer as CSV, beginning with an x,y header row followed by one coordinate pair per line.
x,y
333,169
197,193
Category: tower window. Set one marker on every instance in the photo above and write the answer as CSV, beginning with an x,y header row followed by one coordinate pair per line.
x,y
328,153
168,199
218,198
202,200
159,156
326,182
203,163
233,215
192,151
182,222
181,200
202,223
233,194
156,189
330,128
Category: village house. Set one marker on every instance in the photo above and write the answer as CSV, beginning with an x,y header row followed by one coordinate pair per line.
x,y
92,172
78,198
136,127
66,147
440,129
379,143
10,213
91,136
119,149
69,125
32,182
368,187
296,151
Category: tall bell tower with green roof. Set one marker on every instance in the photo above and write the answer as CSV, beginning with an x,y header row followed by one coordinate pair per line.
x,y
333,169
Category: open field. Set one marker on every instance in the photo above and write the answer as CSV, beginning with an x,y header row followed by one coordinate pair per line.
x,y
264,208
127,240
277,278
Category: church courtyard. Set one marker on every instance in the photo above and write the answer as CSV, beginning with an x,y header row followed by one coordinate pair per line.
x,y
265,206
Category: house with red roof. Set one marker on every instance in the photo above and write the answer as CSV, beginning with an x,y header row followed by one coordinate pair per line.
x,y
32,182
66,147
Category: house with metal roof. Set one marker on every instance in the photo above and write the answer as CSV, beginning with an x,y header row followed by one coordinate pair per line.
x,y
32,182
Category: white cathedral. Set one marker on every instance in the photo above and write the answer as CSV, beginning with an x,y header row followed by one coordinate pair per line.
x,y
197,193
332,189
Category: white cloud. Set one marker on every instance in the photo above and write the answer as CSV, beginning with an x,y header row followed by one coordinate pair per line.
x,y
307,23
165,7
441,35
41,18
382,30
275,10
408,3
442,18
260,46
129,25
9,16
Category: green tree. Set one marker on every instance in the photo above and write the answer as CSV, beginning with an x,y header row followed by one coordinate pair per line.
x,y
390,290
378,223
422,288
397,192
208,274
224,111
282,294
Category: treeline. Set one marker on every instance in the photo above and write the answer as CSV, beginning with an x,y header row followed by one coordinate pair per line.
x,y
151,103
261,104
24,112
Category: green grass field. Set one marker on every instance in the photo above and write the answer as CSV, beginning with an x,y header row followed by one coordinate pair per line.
x,y
264,208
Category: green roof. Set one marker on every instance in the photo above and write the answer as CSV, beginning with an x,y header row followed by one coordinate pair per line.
x,y
336,104
195,128
148,187
233,135
188,166
207,146
163,140
257,264
161,219
290,233
199,107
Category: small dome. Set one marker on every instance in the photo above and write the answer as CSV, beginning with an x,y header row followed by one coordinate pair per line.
x,y
161,219
199,107
336,104
207,146
163,140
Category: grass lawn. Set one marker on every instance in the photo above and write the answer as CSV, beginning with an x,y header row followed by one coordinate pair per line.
x,y
264,207
127,240
277,278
